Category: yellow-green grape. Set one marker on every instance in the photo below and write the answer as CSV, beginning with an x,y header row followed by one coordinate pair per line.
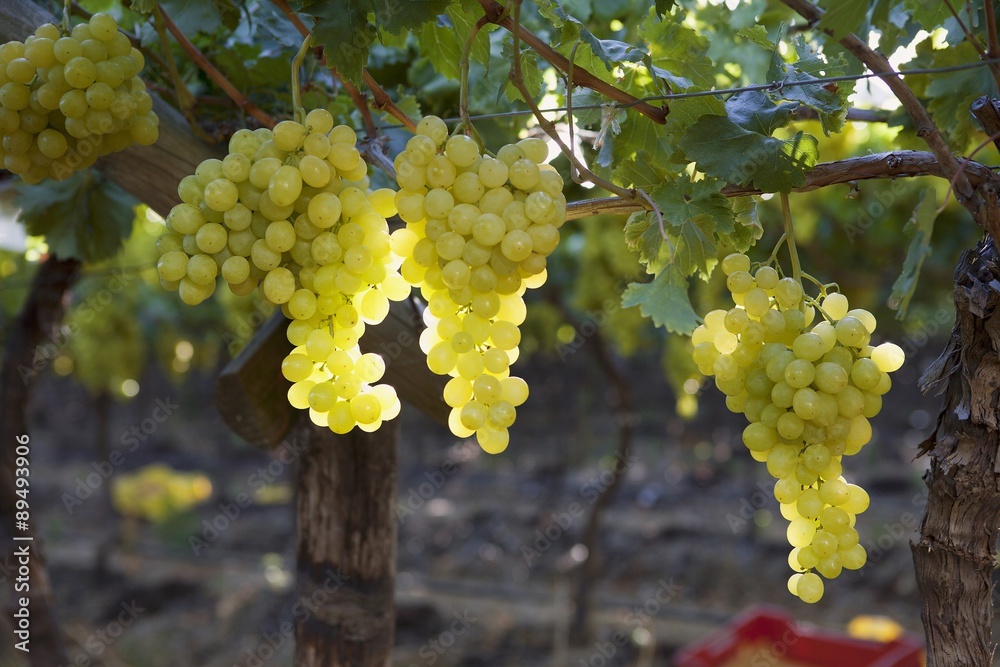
x,y
478,231
68,99
296,367
808,391
250,216
888,357
809,588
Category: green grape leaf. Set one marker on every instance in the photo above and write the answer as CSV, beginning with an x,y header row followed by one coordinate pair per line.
x,y
920,228
530,71
639,172
663,7
723,149
929,13
343,30
609,51
642,234
696,250
950,96
754,111
694,214
828,99
440,44
194,16
143,6
748,229
247,69
84,216
678,54
665,300
462,25
757,34
843,17
398,16
686,111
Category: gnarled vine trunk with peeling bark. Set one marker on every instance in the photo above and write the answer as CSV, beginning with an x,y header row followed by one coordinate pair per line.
x,y
954,557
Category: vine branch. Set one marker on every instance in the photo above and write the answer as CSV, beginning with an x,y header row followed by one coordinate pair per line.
x,y
976,44
357,97
517,81
991,34
199,59
899,164
495,13
380,98
878,63
382,101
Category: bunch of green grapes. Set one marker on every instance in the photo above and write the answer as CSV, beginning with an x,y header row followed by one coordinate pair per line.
x,y
808,392
478,231
288,212
67,99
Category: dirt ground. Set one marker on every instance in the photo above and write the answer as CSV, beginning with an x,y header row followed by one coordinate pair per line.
x,y
487,545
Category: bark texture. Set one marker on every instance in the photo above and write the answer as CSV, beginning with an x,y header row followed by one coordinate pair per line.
x,y
954,556
346,546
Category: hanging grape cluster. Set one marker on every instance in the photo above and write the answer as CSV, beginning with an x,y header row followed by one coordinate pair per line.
x,y
808,394
67,99
288,212
478,231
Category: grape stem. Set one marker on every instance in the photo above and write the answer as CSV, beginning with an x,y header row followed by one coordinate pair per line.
x,y
777,248
67,9
815,304
821,286
300,113
793,253
463,95
352,91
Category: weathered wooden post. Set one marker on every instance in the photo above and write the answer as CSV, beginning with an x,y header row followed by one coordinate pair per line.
x,y
345,489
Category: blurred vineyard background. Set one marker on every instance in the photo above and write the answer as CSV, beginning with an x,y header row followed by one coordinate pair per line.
x,y
148,504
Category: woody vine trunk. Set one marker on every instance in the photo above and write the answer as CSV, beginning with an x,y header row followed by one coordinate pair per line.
x,y
346,546
954,556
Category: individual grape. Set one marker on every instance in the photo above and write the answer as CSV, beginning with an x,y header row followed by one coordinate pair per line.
x,y
285,185
888,357
302,304
279,285
461,150
172,265
287,135
735,262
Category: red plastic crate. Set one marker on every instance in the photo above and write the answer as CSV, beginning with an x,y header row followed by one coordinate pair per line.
x,y
796,642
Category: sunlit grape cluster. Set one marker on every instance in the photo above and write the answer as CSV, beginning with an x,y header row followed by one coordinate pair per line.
x,y
288,212
808,394
66,100
478,231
